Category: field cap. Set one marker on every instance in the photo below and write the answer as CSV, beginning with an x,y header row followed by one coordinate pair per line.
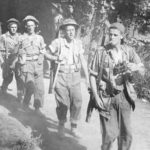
x,y
12,20
118,26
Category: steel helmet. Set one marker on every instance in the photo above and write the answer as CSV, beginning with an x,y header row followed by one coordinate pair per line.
x,y
32,18
12,20
67,22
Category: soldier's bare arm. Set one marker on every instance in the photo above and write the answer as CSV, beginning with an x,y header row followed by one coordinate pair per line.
x,y
95,92
48,55
135,63
85,67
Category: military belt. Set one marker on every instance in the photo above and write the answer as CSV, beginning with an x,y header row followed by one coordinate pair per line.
x,y
32,58
68,68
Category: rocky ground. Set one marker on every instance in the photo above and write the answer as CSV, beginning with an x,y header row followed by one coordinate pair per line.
x,y
46,126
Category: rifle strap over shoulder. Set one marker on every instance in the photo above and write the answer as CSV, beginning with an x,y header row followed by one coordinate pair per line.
x,y
101,63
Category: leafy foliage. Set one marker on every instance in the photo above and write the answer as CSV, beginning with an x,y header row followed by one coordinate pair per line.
x,y
142,83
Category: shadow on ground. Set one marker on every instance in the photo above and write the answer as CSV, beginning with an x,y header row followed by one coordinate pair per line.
x,y
40,125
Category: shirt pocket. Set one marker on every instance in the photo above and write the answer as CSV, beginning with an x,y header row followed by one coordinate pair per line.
x,y
37,44
64,53
26,44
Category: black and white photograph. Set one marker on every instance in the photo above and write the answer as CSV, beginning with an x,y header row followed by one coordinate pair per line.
x,y
74,74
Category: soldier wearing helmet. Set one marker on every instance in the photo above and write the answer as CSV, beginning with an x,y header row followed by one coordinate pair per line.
x,y
33,19
9,44
69,51
31,63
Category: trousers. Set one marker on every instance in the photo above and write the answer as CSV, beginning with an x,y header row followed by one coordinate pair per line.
x,y
68,96
8,74
32,76
119,125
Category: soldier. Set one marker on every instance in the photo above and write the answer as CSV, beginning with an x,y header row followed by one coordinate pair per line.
x,y
111,82
9,44
31,63
68,83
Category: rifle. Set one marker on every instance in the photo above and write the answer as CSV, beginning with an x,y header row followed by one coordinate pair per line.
x,y
53,75
54,70
92,102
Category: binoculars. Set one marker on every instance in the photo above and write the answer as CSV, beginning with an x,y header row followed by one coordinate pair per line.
x,y
122,71
120,68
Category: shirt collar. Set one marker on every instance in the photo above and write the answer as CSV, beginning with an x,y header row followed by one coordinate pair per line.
x,y
124,49
67,44
8,34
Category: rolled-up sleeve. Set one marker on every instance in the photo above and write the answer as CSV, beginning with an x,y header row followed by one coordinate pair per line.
x,y
54,46
133,57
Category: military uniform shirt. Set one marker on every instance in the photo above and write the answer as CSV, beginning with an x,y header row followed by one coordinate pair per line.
x,y
68,53
31,44
30,48
9,42
128,55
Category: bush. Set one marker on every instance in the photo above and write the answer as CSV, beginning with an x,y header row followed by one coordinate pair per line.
x,y
14,136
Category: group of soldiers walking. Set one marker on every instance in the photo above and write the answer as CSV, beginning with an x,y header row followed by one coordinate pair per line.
x,y
23,55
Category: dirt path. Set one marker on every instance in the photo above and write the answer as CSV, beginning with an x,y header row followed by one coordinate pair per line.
x,y
91,140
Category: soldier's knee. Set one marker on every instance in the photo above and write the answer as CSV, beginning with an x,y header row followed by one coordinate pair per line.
x,y
109,138
129,138
106,146
30,87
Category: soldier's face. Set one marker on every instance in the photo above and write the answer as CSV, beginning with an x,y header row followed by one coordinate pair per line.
x,y
30,26
115,36
13,28
70,32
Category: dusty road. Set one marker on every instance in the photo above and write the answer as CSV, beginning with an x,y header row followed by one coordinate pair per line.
x,y
91,140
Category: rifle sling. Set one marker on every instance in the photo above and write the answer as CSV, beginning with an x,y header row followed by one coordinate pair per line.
x,y
101,62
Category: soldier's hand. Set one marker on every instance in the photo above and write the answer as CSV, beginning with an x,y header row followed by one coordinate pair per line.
x,y
102,85
99,103
59,59
87,83
132,67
